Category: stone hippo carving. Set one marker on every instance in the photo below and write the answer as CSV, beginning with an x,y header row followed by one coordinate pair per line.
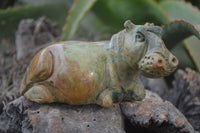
x,y
102,73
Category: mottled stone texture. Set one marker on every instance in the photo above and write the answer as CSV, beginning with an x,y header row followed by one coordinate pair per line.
x,y
103,73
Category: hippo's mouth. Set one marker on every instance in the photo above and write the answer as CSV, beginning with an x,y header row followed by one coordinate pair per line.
x,y
155,65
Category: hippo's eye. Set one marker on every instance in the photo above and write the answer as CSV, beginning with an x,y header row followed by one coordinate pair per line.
x,y
139,37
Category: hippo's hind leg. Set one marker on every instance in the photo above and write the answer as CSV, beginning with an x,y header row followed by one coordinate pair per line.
x,y
39,94
40,68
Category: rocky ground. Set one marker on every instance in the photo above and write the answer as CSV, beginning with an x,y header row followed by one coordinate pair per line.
x,y
150,115
165,109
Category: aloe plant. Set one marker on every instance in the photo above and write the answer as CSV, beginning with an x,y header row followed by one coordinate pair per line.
x,y
76,14
10,18
182,10
176,17
178,30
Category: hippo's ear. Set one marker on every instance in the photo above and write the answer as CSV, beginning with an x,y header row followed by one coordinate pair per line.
x,y
155,29
129,25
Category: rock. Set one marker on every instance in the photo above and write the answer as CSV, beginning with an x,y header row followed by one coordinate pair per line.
x,y
158,86
25,116
11,117
72,119
24,37
32,33
156,115
150,115
185,95
10,78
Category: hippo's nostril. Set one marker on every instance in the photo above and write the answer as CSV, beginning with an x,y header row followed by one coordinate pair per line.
x,y
157,62
174,60
160,61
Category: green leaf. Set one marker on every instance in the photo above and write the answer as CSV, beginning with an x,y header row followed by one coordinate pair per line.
x,y
183,56
76,14
10,18
115,12
178,30
183,10
193,48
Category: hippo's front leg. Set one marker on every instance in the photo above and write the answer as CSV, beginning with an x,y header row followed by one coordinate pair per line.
x,y
112,92
135,91
104,98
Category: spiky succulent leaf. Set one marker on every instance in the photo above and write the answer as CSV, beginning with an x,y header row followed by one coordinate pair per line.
x,y
182,10
178,30
76,14
115,12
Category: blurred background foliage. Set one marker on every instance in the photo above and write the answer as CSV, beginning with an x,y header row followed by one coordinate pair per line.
x,y
99,19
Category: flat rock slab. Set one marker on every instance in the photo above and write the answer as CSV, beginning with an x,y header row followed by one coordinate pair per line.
x,y
28,117
75,119
152,114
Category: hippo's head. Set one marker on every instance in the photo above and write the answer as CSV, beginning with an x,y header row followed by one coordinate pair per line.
x,y
144,48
